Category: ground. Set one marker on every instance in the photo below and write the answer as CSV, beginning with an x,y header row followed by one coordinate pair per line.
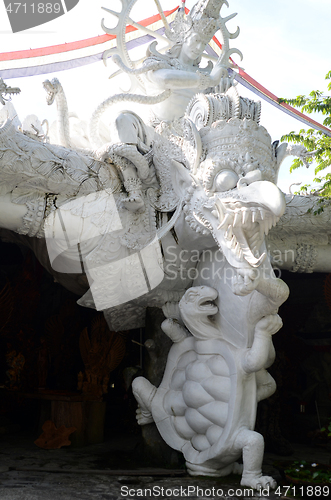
x,y
30,473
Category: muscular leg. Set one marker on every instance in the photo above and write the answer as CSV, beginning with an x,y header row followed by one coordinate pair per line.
x,y
252,445
127,128
129,132
130,129
261,354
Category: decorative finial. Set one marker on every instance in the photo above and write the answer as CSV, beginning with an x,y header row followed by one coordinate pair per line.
x,y
204,19
182,7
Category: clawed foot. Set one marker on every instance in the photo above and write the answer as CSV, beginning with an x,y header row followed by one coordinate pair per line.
x,y
134,201
143,417
258,483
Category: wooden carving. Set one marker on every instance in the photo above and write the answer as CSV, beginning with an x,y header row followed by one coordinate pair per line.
x,y
53,438
16,362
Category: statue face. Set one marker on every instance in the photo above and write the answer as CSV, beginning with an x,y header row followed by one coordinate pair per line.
x,y
193,47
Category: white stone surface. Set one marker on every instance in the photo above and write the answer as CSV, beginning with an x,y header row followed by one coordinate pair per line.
x,y
181,200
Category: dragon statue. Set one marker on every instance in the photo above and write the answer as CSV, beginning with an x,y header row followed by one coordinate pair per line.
x,y
6,90
184,200
68,130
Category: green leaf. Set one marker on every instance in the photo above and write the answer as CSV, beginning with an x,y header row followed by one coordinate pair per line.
x,y
314,140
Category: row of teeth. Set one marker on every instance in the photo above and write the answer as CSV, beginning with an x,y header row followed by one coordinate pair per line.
x,y
242,216
233,243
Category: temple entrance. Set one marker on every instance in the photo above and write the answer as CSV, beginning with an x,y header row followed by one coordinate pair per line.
x,y
52,357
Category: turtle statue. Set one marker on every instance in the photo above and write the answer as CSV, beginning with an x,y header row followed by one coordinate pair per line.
x,y
206,404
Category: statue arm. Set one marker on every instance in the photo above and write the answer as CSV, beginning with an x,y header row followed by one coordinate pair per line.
x,y
275,289
177,79
271,355
266,385
174,330
174,79
261,354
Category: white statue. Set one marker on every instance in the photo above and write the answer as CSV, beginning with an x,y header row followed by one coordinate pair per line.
x,y
214,175
170,81
6,91
136,220
34,128
206,403
68,130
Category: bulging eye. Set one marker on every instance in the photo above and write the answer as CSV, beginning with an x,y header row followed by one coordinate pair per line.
x,y
225,180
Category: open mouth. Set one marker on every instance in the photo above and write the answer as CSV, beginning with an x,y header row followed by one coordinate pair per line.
x,y
245,218
244,229
207,304
6,91
50,92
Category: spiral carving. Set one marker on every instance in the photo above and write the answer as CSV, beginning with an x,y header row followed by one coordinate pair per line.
x,y
205,109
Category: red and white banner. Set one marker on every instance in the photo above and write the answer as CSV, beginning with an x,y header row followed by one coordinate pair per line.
x,y
72,55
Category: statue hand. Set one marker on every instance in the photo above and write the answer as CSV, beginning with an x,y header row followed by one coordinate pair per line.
x,y
245,281
269,325
221,77
225,84
171,310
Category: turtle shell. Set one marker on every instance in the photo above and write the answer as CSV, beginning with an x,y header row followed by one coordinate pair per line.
x,y
194,407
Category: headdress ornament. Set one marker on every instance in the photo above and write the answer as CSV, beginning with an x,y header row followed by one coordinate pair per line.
x,y
204,19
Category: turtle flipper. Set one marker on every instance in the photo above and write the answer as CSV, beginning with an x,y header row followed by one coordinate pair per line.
x,y
144,393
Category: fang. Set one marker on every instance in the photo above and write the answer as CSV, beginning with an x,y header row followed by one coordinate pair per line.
x,y
225,221
244,215
229,233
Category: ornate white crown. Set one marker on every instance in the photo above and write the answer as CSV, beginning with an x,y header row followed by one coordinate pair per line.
x,y
241,145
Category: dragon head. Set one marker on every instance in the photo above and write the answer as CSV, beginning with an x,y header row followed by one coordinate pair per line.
x,y
5,90
52,88
232,195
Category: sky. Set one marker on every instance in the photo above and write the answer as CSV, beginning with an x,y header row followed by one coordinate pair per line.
x,y
285,44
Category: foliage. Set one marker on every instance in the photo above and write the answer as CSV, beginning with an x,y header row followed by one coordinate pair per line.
x,y
312,473
314,140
